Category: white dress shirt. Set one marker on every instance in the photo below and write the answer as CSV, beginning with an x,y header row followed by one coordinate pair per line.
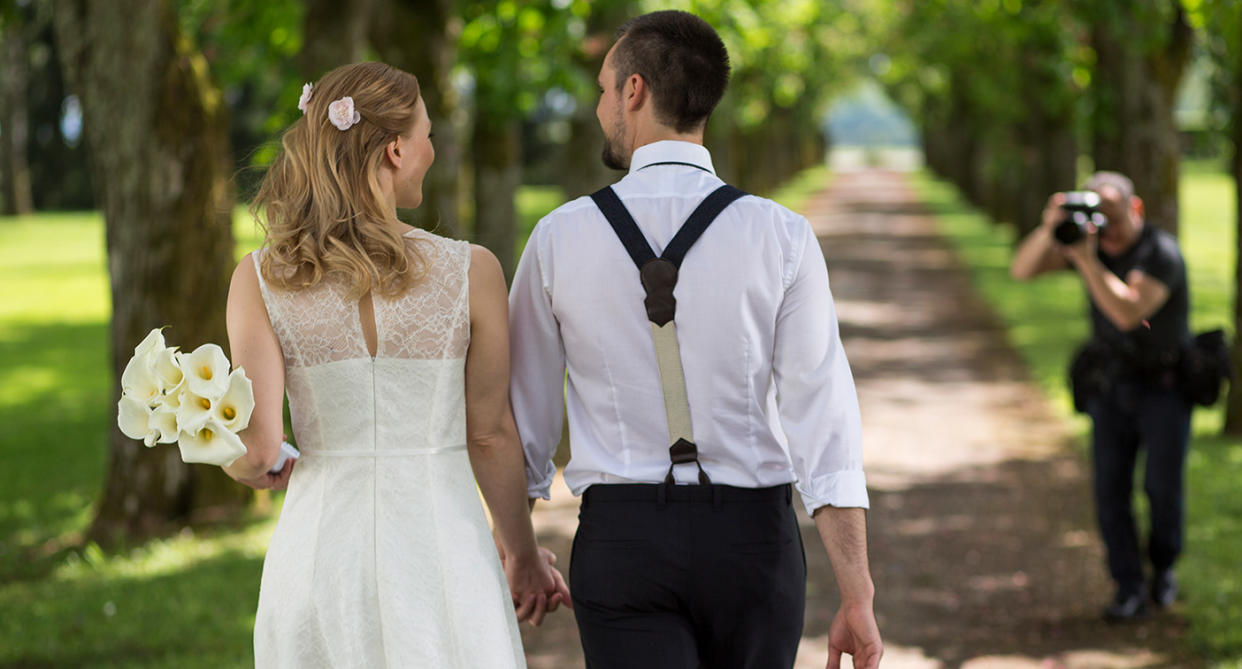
x,y
772,399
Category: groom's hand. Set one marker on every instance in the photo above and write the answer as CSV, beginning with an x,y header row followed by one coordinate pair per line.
x,y
560,594
854,632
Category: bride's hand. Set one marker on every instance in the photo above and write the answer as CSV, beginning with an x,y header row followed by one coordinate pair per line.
x,y
530,583
270,481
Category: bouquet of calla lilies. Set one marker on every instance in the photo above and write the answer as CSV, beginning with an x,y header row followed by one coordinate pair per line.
x,y
188,398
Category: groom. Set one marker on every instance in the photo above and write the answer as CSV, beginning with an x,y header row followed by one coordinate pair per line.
x,y
705,376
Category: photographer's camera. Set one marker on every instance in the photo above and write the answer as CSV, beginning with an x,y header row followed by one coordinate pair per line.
x,y
1081,207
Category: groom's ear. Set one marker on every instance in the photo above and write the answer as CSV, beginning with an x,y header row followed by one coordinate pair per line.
x,y
636,92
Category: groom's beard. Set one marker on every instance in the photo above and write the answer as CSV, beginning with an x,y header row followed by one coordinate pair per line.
x,y
612,158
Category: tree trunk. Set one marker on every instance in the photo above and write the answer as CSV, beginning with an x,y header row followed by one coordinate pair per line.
x,y
60,172
421,38
1050,164
1135,133
335,33
721,140
1047,144
156,131
965,152
934,139
582,169
1233,406
18,197
497,146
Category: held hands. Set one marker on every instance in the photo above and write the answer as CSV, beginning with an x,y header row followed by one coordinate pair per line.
x,y
855,633
537,587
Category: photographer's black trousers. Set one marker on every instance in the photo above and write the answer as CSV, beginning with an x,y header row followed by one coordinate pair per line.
x,y
1153,417
681,577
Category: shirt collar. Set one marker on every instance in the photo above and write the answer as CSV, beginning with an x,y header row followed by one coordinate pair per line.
x,y
671,151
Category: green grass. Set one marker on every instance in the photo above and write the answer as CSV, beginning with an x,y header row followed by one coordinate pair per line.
x,y
1047,318
806,183
533,203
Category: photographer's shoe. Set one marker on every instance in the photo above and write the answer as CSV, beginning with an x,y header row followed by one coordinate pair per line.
x,y
1164,588
1127,605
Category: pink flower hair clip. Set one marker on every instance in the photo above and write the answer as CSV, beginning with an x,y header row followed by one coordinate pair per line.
x,y
342,113
304,101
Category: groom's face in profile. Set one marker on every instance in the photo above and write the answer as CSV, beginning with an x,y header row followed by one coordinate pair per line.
x,y
611,120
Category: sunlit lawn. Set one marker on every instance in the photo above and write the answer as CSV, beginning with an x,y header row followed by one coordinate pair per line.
x,y
187,601
1046,319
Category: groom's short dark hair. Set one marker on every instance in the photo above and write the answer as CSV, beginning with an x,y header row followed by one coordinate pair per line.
x,y
681,58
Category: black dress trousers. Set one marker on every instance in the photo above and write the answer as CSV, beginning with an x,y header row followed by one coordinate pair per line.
x,y
688,577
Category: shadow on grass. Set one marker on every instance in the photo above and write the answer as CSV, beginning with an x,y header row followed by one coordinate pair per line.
x,y
55,409
200,615
1210,574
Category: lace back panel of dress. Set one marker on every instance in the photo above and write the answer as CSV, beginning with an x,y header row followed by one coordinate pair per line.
x,y
320,325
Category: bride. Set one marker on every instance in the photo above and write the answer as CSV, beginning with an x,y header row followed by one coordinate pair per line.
x,y
392,344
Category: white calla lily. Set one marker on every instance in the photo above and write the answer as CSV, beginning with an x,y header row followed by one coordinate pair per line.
x,y
234,409
167,368
135,419
206,371
139,380
172,397
194,411
211,444
151,345
164,421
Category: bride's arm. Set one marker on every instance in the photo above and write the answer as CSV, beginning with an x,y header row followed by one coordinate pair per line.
x,y
492,437
254,346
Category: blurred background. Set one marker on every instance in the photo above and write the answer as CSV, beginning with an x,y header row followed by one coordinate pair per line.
x,y
133,132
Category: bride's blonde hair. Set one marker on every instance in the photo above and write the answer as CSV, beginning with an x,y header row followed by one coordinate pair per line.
x,y
325,211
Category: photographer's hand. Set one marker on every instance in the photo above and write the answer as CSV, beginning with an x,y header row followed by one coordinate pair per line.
x,y
1052,212
1039,252
1085,251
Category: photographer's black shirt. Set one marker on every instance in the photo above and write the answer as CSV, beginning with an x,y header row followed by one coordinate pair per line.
x,y
1156,254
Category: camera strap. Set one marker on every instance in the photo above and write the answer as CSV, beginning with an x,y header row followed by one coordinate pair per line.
x,y
659,278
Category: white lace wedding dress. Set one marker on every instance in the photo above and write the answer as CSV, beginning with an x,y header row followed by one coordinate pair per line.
x,y
382,556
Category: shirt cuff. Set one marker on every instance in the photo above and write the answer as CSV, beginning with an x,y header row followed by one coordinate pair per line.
x,y
845,489
539,487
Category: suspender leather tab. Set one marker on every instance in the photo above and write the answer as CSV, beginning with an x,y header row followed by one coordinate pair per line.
x,y
683,452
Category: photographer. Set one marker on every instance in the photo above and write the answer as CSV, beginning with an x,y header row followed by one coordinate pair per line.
x,y
1126,376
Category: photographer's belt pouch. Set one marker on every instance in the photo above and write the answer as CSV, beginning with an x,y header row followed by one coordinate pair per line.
x,y
1091,374
1205,365
659,277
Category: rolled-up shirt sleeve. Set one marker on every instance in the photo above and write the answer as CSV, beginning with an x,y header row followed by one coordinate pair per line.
x,y
537,366
815,393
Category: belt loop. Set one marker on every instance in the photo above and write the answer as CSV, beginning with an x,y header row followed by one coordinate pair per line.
x,y
788,494
715,497
662,493
586,497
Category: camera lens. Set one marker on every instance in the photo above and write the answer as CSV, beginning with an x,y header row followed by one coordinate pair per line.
x,y
1069,231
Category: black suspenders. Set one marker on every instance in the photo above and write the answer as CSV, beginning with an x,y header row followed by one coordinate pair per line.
x,y
659,277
